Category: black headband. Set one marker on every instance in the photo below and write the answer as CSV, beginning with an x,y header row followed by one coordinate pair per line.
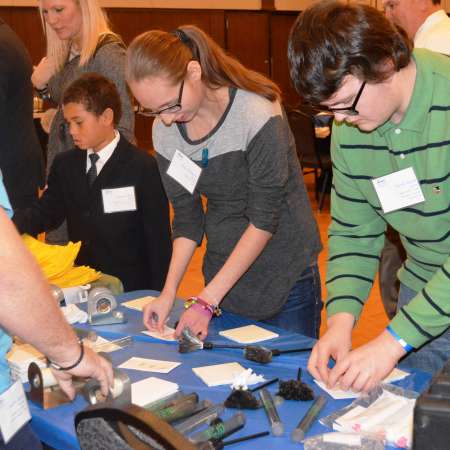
x,y
182,36
187,41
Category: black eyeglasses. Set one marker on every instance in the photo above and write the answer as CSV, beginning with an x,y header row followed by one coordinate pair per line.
x,y
167,110
350,110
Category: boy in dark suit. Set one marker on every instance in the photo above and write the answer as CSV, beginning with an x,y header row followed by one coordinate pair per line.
x,y
108,190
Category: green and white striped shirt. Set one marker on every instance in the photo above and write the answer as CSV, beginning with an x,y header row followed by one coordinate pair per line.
x,y
356,234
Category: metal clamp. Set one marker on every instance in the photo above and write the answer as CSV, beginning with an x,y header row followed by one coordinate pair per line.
x,y
102,307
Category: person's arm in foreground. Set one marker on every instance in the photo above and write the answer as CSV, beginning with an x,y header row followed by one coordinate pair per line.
x,y
28,310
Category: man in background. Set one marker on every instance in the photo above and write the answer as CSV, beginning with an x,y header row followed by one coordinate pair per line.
x,y
21,159
427,24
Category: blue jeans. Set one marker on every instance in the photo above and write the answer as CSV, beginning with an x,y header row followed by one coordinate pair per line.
x,y
432,356
24,439
301,312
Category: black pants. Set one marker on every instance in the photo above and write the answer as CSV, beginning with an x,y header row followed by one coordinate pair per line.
x,y
24,439
392,257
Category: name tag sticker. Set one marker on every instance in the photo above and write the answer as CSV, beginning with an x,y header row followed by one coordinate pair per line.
x,y
119,199
14,412
398,190
184,171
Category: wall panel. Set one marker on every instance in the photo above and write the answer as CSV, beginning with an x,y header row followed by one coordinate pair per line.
x,y
280,25
247,38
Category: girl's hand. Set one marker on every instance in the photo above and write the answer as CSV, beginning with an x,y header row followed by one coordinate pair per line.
x,y
196,320
156,312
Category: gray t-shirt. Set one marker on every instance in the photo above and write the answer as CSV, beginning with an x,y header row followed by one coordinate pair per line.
x,y
252,176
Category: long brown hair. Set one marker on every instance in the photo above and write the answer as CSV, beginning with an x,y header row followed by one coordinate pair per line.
x,y
156,53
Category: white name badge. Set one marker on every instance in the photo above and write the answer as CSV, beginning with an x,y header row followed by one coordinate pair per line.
x,y
398,190
119,199
14,411
184,171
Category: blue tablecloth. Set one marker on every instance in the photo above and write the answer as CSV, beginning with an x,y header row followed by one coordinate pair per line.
x,y
55,426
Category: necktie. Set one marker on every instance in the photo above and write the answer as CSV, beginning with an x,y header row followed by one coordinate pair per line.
x,y
92,172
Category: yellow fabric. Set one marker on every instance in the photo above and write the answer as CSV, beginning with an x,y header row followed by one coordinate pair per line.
x,y
57,263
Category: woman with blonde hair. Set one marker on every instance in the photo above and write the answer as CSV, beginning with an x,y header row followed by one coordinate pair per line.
x,y
221,134
79,40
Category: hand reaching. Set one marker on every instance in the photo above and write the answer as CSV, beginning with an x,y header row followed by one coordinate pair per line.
x,y
196,321
157,311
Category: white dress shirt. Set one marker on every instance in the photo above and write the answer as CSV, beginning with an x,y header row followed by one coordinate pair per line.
x,y
434,33
104,154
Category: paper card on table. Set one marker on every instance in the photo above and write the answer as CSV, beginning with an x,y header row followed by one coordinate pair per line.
x,y
168,334
138,303
337,393
102,345
248,334
150,390
219,374
149,365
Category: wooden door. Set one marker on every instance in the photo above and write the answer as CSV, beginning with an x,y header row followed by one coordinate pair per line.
x,y
280,27
246,38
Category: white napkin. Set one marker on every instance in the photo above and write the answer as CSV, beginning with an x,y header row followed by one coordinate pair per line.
x,y
73,314
245,379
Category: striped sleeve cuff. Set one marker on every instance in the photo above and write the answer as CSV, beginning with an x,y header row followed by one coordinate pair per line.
x,y
349,304
409,330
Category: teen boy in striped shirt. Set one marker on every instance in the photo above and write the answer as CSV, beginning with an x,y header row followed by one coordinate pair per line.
x,y
392,119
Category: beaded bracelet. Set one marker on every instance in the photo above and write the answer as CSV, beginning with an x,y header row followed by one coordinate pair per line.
x,y
212,309
400,340
202,310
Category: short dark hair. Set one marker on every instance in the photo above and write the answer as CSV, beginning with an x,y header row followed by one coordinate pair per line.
x,y
96,93
331,40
